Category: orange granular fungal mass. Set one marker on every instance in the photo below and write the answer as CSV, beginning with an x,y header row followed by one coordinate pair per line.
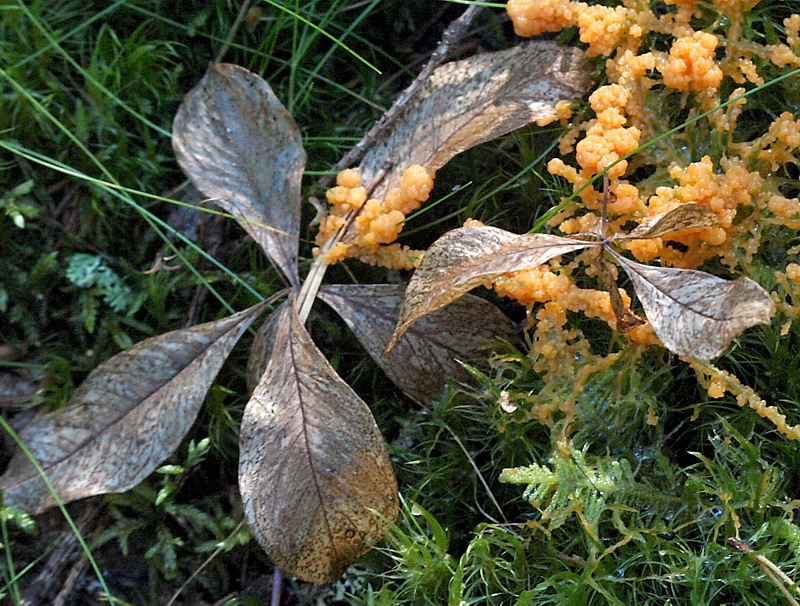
x,y
779,144
542,285
735,177
349,178
724,193
607,138
601,27
792,25
563,113
556,342
372,223
717,382
782,55
691,64
793,275
686,10
581,225
534,17
785,211
626,200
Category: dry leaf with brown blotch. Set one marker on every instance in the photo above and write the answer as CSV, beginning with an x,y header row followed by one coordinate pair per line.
x,y
472,101
426,356
314,473
685,216
467,257
129,415
694,313
241,147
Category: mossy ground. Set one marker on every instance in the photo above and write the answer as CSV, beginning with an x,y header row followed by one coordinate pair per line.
x,y
634,507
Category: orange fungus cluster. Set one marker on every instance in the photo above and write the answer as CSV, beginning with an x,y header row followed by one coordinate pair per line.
x,y
365,229
667,128
665,67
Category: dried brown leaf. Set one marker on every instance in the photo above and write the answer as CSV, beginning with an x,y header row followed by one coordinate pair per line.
x,y
261,348
425,357
467,257
475,100
129,415
242,148
694,313
686,216
314,471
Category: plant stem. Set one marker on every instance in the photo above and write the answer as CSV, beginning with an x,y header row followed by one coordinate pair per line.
x,y
313,280
277,587
234,28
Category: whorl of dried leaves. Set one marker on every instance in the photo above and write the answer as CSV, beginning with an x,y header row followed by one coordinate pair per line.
x,y
315,477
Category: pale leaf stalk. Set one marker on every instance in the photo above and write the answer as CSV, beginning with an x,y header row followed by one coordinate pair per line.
x,y
313,281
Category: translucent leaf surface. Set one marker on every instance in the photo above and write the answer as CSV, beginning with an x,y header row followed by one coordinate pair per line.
x,y
425,357
686,216
241,147
694,313
475,100
129,415
468,257
314,471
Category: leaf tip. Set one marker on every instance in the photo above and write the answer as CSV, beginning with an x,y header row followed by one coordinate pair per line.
x,y
395,338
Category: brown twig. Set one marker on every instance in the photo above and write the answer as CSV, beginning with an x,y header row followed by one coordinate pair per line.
x,y
234,28
69,584
450,37
63,556
200,568
775,574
